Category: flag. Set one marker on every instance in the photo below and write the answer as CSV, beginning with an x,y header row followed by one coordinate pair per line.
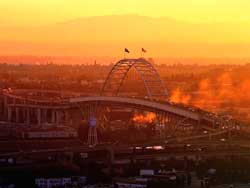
x,y
126,50
143,50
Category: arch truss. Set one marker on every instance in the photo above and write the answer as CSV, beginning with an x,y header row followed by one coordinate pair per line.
x,y
148,74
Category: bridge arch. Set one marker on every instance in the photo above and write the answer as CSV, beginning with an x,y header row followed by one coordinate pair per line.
x,y
148,74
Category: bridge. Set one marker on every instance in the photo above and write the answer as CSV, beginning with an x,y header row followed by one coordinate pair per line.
x,y
152,82
35,107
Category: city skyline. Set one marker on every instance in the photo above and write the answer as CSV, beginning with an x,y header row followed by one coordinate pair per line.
x,y
124,93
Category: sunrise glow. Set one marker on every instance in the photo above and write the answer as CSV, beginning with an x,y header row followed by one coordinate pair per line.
x,y
180,28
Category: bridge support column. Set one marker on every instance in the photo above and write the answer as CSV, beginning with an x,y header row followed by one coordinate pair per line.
x,y
9,114
58,117
17,115
165,125
92,136
44,116
67,117
23,115
53,116
27,116
5,107
161,124
39,122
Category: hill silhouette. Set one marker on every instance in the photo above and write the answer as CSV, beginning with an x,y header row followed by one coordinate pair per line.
x,y
92,35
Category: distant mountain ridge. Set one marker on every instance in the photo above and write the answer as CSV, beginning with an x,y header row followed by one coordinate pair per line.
x,y
130,28
108,35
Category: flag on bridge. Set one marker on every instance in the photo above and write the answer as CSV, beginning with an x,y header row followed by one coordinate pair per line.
x,y
126,50
143,51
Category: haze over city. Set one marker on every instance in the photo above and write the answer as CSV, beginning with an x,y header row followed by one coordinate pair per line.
x,y
179,29
125,93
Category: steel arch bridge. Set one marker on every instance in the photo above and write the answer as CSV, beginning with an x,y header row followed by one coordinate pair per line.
x,y
152,82
74,107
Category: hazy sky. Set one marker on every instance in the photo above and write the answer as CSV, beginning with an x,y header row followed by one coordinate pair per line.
x,y
43,12
203,28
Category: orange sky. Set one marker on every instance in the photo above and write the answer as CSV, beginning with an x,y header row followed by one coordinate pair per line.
x,y
179,28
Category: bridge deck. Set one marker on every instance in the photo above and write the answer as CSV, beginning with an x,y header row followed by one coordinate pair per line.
x,y
140,102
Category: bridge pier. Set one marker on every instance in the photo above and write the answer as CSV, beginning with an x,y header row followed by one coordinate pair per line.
x,y
5,106
9,113
44,115
39,122
92,136
17,115
161,124
23,115
27,116
67,118
53,116
58,117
